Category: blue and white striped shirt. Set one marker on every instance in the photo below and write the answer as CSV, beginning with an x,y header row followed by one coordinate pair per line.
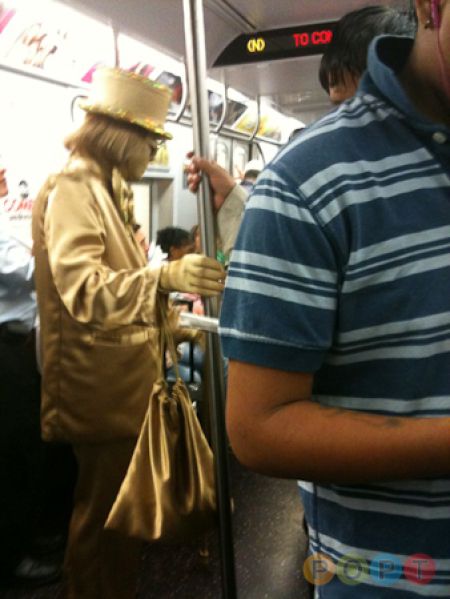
x,y
342,268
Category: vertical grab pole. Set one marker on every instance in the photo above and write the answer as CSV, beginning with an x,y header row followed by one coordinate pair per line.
x,y
196,70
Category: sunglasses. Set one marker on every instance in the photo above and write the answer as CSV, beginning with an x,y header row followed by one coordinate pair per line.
x,y
155,143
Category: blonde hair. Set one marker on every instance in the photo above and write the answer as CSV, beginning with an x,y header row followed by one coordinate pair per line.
x,y
106,138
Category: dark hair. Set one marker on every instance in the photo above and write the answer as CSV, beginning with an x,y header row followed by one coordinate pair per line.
x,y
172,237
347,52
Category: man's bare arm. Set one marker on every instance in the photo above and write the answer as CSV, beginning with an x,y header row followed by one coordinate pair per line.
x,y
220,180
276,429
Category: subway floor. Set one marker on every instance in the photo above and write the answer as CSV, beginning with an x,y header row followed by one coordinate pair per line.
x,y
269,550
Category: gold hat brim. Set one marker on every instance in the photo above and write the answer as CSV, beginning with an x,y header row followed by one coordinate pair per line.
x,y
122,115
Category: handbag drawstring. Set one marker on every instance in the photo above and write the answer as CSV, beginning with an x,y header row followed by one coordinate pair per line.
x,y
167,341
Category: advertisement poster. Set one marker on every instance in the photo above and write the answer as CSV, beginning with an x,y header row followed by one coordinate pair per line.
x,y
34,119
48,41
234,112
175,84
16,204
270,124
248,121
240,159
223,153
215,107
7,12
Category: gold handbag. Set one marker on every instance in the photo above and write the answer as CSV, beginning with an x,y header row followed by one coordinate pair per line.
x,y
168,492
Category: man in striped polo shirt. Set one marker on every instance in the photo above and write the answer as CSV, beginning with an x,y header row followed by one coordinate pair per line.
x,y
336,320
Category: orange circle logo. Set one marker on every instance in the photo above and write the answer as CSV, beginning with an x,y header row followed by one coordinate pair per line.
x,y
318,569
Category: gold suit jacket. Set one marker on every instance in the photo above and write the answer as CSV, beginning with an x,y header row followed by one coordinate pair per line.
x,y
100,344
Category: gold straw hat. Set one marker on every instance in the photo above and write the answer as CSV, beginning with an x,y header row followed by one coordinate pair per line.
x,y
129,97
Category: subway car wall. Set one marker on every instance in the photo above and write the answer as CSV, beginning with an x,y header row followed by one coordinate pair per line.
x,y
35,116
43,71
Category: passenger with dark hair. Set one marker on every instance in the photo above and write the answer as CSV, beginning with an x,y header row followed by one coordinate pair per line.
x,y
342,65
175,242
345,58
336,322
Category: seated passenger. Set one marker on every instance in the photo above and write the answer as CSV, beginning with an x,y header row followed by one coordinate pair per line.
x,y
175,242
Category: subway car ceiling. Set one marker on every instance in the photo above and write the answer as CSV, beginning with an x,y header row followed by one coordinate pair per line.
x,y
291,85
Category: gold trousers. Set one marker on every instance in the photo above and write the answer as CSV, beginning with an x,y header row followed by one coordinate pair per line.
x,y
100,564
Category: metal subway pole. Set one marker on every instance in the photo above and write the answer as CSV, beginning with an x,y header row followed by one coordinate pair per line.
x,y
196,70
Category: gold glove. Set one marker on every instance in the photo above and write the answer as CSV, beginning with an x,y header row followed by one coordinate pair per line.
x,y
193,273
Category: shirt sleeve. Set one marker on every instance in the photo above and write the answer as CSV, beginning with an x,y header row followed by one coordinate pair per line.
x,y
91,290
280,300
229,218
16,263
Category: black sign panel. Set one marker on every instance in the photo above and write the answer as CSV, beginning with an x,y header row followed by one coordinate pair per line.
x,y
275,44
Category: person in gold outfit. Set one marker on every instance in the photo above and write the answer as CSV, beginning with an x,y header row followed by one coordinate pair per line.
x,y
99,329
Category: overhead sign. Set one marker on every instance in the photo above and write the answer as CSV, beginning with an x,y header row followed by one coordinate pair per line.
x,y
275,44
